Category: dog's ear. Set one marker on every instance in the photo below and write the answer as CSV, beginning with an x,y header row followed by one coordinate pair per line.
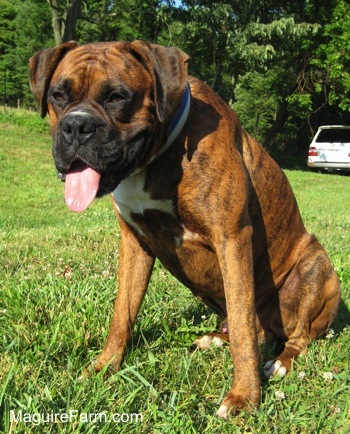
x,y
167,67
41,68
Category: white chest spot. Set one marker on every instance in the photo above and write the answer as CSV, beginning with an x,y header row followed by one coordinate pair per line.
x,y
130,197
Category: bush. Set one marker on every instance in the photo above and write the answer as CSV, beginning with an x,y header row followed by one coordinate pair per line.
x,y
24,118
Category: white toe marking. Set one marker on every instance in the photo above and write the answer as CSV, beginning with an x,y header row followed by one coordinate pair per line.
x,y
203,342
274,367
217,342
206,341
222,412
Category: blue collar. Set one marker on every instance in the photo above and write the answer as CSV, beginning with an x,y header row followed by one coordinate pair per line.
x,y
178,122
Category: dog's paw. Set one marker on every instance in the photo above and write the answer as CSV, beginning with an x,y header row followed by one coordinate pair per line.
x,y
101,364
222,412
273,368
90,370
211,339
232,404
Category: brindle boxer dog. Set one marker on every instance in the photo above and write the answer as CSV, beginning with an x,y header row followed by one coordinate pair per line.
x,y
191,188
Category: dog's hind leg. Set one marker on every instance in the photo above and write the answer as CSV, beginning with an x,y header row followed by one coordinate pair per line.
x,y
308,304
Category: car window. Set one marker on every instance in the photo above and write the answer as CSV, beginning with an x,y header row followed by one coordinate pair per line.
x,y
337,136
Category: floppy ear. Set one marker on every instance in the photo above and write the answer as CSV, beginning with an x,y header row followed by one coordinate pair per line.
x,y
41,68
167,67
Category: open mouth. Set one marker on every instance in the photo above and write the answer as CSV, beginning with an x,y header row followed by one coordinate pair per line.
x,y
83,183
81,186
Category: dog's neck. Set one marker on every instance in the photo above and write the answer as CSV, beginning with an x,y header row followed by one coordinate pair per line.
x,y
177,123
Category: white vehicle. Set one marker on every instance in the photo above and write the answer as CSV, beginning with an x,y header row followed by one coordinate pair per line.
x,y
330,148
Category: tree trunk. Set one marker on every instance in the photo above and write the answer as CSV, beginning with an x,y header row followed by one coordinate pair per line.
x,y
73,14
64,27
56,26
277,126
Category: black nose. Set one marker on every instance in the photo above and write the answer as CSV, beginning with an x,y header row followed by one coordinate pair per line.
x,y
78,128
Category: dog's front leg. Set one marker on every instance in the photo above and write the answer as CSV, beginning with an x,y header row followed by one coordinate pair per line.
x,y
236,263
135,269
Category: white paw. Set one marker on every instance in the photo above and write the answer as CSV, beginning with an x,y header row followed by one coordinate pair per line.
x,y
204,342
274,367
222,412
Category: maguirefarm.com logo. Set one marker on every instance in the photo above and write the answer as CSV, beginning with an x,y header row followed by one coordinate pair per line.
x,y
73,416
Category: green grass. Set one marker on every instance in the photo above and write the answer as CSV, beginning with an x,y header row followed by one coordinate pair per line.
x,y
57,287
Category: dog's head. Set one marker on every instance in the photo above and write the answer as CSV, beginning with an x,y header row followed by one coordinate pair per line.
x,y
110,106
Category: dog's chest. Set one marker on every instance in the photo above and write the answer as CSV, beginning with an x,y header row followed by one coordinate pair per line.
x,y
132,199
184,252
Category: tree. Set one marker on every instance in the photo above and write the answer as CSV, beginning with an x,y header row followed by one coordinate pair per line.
x,y
278,51
64,19
7,43
22,33
102,21
257,101
333,56
120,20
206,28
231,42
283,65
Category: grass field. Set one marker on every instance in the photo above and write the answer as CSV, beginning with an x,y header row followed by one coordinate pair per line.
x,y
57,287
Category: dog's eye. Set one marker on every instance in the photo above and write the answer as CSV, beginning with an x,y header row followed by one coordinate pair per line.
x,y
58,96
116,97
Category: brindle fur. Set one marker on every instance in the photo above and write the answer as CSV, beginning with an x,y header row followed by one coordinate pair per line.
x,y
235,237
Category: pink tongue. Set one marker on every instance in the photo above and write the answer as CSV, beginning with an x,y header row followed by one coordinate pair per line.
x,y
81,187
